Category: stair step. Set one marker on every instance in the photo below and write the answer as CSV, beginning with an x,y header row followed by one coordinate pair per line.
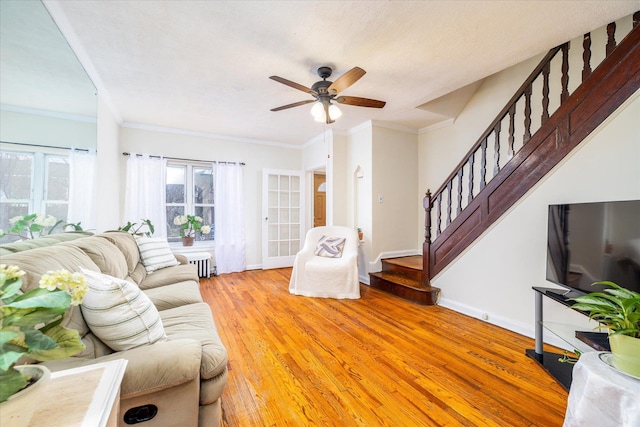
x,y
409,267
413,262
404,287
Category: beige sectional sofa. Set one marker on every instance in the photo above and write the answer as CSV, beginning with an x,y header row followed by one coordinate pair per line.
x,y
182,376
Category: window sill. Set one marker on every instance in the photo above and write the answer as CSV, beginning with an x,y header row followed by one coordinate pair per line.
x,y
197,246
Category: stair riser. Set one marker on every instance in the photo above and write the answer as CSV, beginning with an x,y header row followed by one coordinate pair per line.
x,y
410,273
419,296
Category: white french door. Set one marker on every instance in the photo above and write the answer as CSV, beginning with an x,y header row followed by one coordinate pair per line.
x,y
283,214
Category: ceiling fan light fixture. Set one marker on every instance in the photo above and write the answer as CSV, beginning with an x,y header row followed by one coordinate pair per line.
x,y
325,91
334,111
317,111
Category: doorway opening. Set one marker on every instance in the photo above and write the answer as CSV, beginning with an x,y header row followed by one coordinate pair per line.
x,y
319,199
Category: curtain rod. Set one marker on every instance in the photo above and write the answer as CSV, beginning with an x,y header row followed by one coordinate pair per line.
x,y
45,146
187,160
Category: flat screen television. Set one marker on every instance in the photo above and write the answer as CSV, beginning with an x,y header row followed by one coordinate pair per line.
x,y
592,242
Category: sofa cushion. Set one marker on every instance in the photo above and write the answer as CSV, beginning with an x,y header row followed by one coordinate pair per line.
x,y
107,256
168,276
126,244
93,346
150,368
41,242
155,253
119,313
36,262
176,295
195,321
137,275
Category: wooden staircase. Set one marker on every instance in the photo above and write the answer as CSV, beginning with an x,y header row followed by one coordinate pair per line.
x,y
471,199
403,277
458,218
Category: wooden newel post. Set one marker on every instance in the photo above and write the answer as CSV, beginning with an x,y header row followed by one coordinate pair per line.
x,y
426,246
426,203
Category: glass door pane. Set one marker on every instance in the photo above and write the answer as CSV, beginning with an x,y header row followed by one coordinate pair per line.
x,y
282,206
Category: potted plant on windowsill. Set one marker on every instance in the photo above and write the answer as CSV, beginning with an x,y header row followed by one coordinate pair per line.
x,y
617,309
189,225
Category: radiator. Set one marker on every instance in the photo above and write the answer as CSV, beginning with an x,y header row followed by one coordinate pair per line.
x,y
202,260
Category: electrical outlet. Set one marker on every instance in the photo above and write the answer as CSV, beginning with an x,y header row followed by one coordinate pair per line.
x,y
380,199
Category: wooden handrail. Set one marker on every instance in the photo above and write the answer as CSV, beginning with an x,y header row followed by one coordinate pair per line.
x,y
602,90
514,100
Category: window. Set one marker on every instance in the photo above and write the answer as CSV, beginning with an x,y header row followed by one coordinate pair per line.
x,y
189,189
33,182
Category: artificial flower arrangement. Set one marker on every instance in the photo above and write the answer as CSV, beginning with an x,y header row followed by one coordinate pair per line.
x,y
30,322
189,224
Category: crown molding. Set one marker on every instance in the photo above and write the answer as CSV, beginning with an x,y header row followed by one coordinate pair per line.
x,y
394,127
435,126
208,135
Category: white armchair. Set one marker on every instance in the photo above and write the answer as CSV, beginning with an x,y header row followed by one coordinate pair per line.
x,y
319,276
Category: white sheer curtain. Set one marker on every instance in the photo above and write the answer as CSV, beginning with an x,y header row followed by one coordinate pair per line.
x,y
229,219
145,192
82,197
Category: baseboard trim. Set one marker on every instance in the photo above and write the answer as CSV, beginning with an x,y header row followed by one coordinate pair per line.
x,y
503,322
376,266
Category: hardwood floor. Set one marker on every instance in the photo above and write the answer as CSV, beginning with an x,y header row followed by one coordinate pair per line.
x,y
376,361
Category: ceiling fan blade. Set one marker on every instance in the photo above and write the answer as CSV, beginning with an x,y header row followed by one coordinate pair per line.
x,y
326,112
360,102
294,85
346,80
295,104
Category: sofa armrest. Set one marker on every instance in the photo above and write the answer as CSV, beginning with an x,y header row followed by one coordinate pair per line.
x,y
181,258
150,368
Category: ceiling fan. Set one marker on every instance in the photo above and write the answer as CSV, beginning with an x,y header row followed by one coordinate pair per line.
x,y
325,91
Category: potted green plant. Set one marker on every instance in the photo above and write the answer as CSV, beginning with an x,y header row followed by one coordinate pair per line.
x,y
32,226
618,310
30,325
136,229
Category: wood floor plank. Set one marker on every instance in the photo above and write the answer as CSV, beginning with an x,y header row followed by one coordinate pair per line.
x,y
376,361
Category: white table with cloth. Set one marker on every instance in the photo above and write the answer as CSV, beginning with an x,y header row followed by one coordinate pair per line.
x,y
602,396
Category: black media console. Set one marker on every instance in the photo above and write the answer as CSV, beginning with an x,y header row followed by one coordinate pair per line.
x,y
561,371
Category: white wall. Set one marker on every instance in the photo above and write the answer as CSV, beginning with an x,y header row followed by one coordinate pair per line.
x,y
192,146
395,168
50,129
495,275
441,149
338,185
359,191
108,173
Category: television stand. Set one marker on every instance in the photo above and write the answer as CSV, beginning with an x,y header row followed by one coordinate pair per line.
x,y
561,371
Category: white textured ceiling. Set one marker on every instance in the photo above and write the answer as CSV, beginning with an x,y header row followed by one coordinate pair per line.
x,y
204,65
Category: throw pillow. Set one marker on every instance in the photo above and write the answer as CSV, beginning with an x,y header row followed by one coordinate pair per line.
x,y
330,247
119,313
155,253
